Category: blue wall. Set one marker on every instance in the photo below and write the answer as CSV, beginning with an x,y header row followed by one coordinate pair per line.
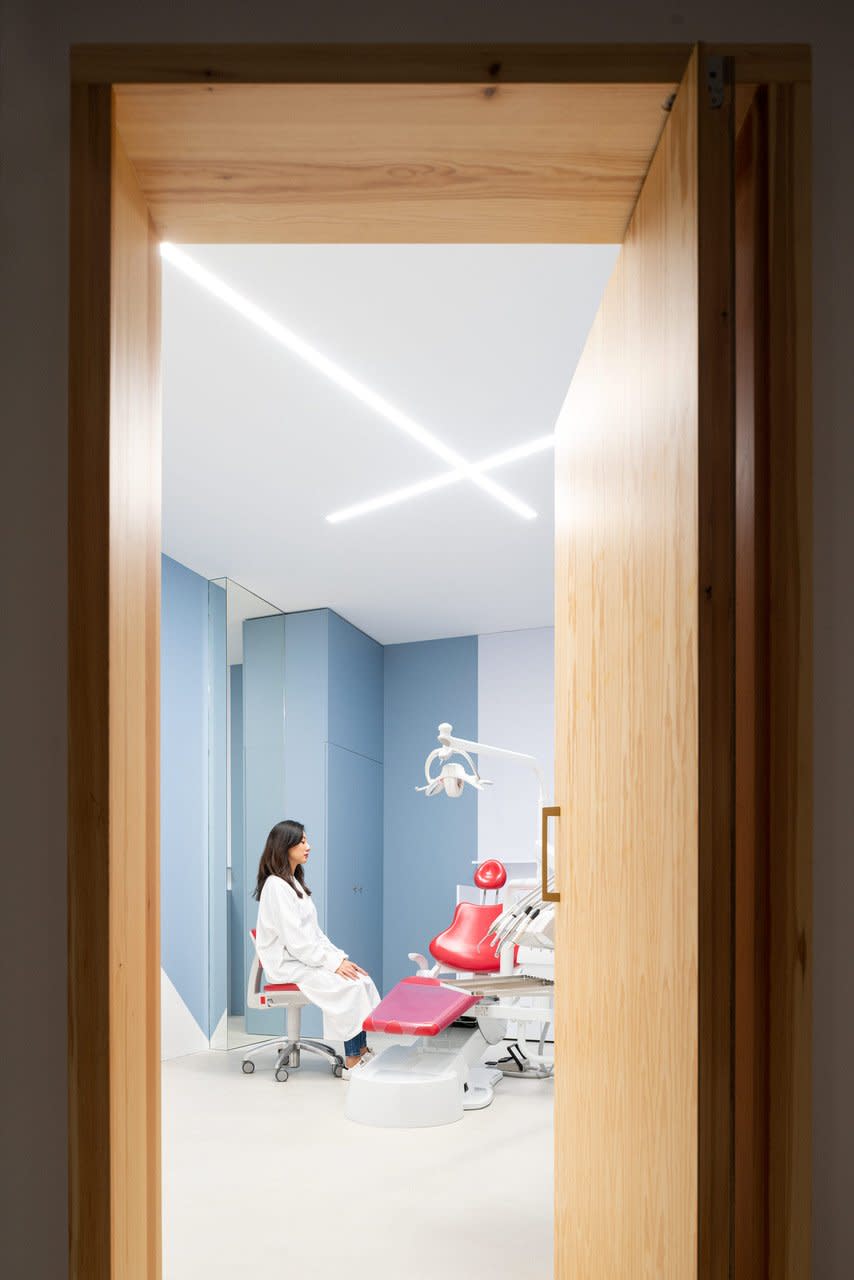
x,y
329,728
264,767
217,805
333,776
428,845
184,785
237,897
354,787
355,689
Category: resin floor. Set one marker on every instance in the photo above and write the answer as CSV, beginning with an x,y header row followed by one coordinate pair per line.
x,y
263,1179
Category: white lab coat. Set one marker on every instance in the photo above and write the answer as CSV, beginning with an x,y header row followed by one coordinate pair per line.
x,y
293,948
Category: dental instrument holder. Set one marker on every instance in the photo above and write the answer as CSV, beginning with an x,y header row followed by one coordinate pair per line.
x,y
448,746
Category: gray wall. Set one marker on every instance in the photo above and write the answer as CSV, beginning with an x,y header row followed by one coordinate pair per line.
x,y
34,41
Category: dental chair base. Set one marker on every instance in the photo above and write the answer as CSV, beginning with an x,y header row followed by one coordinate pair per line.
x,y
415,1087
429,1080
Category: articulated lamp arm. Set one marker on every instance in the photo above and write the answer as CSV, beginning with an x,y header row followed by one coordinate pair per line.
x,y
448,744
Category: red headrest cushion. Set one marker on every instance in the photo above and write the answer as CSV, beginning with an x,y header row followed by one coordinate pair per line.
x,y
491,875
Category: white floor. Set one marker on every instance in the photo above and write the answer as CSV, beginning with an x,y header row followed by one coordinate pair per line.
x,y
264,1179
237,1033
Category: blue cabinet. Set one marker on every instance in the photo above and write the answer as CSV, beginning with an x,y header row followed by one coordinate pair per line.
x,y
313,721
263,771
354,834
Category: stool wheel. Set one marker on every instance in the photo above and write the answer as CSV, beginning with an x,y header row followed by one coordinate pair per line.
x,y
247,1066
338,1071
281,1075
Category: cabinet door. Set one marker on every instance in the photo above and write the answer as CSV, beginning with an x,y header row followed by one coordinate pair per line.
x,y
354,856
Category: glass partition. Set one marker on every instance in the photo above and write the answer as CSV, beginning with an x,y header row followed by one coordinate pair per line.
x,y
232,609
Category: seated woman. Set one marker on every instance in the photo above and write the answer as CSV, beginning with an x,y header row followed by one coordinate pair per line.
x,y
293,948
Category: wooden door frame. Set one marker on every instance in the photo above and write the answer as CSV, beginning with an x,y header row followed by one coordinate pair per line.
x,y
98,1100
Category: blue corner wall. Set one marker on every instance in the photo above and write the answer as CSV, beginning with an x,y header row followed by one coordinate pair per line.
x,y
331,729
184,785
237,896
428,845
265,767
217,805
354,795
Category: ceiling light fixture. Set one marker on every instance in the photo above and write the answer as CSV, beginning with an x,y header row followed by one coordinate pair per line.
x,y
298,346
540,445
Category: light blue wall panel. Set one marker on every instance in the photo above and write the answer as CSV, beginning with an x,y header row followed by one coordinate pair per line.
x,y
428,845
217,805
184,785
354,855
238,899
264,765
515,709
306,723
355,689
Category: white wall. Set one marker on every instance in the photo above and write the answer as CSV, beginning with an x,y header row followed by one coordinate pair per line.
x,y
515,709
34,40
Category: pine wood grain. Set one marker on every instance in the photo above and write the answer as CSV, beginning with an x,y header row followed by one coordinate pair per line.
x,y
752,698
421,63
791,676
631,553
393,163
114,583
89,1064
716,668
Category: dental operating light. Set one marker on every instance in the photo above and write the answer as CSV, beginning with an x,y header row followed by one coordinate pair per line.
x,y
453,777
360,391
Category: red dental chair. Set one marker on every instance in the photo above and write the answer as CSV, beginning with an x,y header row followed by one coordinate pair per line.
x,y
463,946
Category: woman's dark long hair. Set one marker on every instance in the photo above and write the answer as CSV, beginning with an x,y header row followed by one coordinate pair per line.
x,y
275,861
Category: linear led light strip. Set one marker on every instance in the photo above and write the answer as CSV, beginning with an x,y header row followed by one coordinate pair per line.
x,y
334,372
391,499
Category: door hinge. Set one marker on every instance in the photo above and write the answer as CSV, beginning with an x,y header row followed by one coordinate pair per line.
x,y
715,80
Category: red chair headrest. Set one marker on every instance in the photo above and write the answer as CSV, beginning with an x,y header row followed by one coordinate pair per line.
x,y
491,875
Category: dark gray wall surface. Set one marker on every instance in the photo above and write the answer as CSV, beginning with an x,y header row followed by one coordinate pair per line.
x,y
34,40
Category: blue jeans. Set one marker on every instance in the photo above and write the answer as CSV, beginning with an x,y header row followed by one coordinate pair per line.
x,y
356,1045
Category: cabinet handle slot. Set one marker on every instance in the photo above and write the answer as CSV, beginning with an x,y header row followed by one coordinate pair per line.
x,y
549,811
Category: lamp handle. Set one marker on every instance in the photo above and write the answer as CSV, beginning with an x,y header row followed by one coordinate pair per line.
x,y
548,811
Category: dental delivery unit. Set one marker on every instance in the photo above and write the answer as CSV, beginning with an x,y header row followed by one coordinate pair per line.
x,y
433,1079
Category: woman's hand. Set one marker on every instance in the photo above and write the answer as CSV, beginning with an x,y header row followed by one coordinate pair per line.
x,y
349,970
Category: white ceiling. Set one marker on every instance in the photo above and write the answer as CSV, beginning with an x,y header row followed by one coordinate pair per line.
x,y
477,343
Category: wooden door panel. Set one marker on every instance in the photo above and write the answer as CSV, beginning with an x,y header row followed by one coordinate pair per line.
x,y
643,637
114,711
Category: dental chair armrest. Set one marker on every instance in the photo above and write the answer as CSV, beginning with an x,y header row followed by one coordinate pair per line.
x,y
424,970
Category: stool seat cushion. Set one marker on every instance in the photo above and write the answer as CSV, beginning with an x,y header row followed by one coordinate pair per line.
x,y
280,986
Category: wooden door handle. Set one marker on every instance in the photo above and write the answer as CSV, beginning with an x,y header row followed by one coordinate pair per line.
x,y
549,811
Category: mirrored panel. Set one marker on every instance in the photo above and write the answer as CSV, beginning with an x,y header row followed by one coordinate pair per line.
x,y
246,676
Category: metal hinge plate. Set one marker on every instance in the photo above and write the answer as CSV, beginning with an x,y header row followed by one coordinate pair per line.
x,y
715,82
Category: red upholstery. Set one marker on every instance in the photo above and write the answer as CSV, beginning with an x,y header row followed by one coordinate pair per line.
x,y
419,1007
491,875
460,946
277,986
